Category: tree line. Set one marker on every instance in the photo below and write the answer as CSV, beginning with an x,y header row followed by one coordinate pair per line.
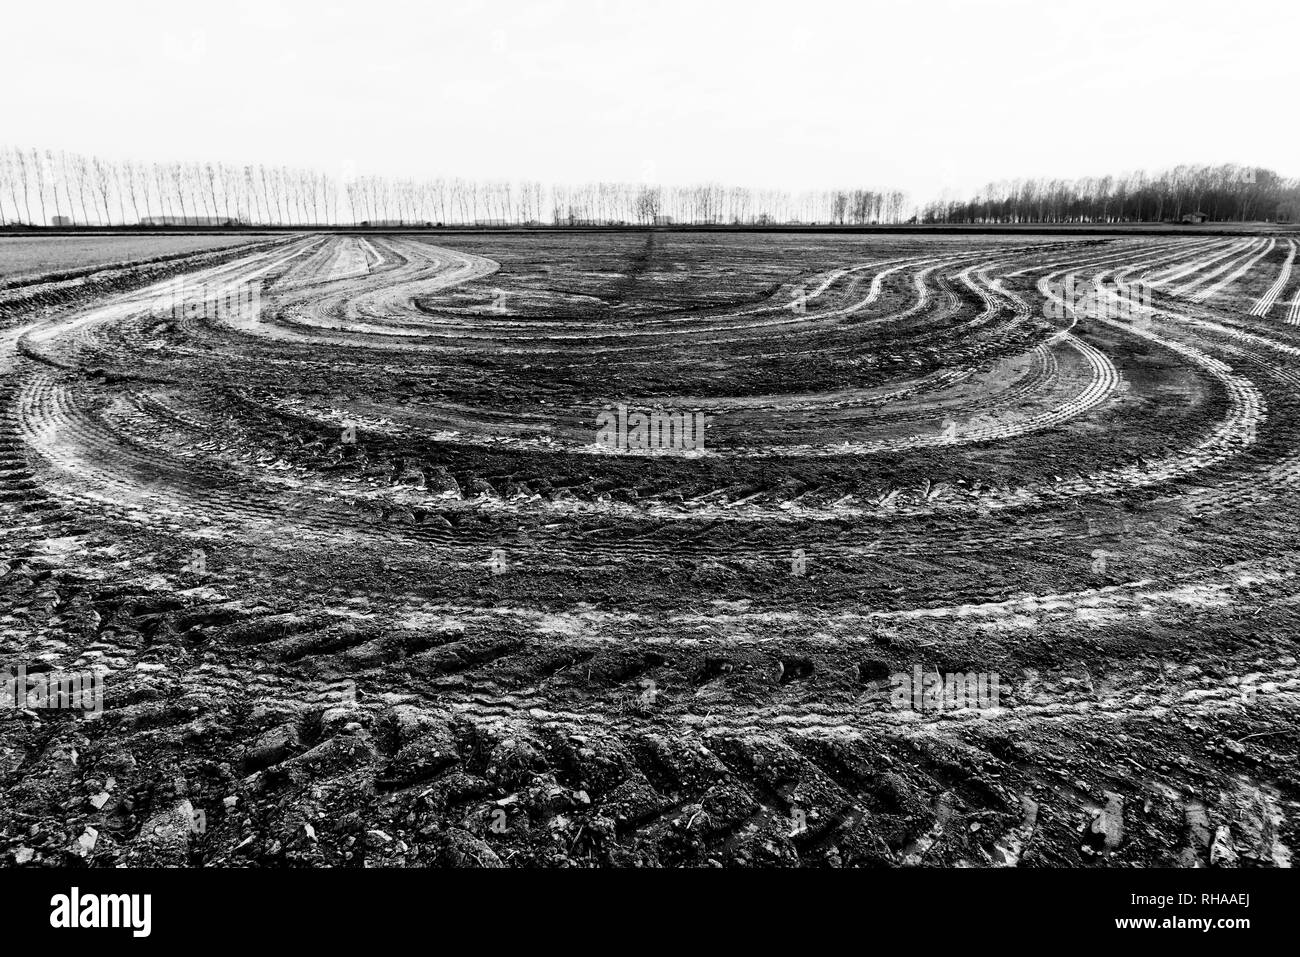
x,y
44,188
1227,193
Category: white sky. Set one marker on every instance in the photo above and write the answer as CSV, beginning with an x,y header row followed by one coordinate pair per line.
x,y
921,95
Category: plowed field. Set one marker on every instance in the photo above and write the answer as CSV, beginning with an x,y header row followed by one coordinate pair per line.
x,y
364,586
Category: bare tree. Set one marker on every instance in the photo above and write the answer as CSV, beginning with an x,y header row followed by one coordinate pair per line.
x,y
25,177
103,182
38,175
210,177
250,182
179,176
131,178
271,183
53,180
7,182
119,174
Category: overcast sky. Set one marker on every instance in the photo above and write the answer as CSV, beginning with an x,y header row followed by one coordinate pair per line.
x,y
922,95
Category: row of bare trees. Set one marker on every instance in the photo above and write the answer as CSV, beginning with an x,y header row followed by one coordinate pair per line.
x,y
376,199
45,188
714,204
1222,193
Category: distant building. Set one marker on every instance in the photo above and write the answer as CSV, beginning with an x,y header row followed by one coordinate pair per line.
x,y
663,220
1197,217
62,221
491,222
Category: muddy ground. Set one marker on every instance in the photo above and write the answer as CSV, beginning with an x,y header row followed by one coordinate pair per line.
x,y
362,588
